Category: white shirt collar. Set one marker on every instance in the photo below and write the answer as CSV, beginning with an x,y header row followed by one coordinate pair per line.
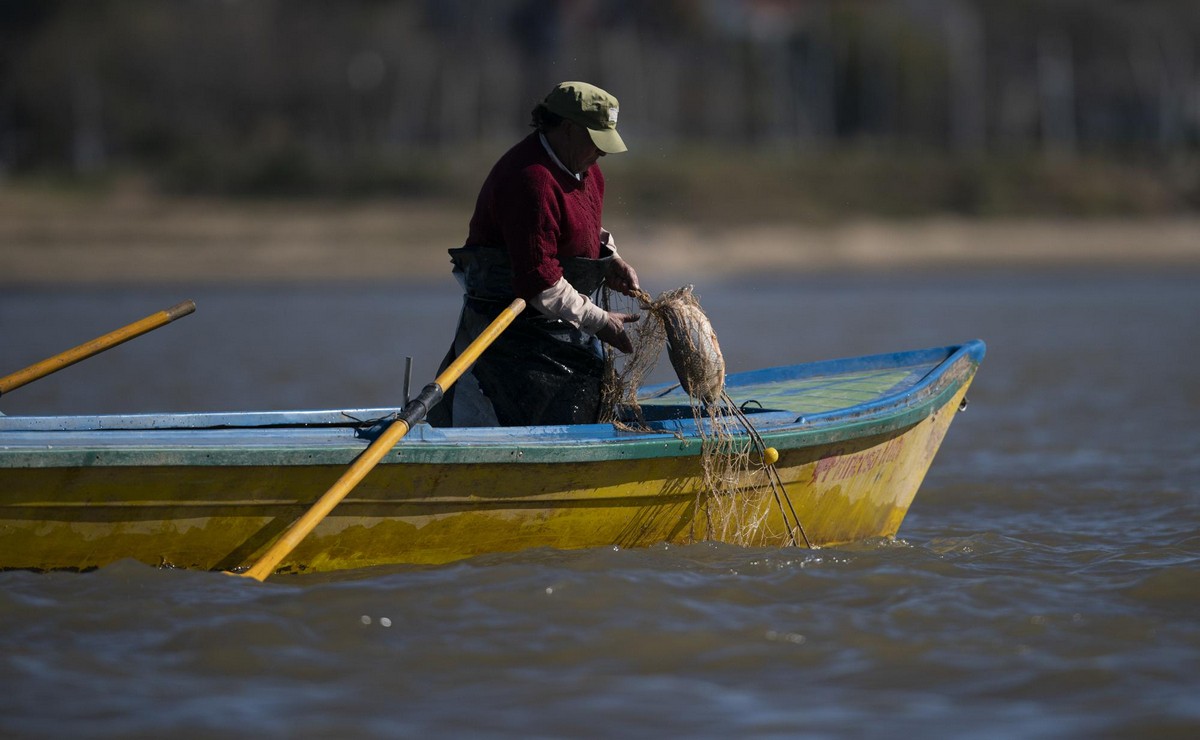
x,y
557,161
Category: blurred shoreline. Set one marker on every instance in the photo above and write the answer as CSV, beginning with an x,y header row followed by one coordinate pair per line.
x,y
136,238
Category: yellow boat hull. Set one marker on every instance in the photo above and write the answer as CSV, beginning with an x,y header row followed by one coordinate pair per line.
x,y
848,483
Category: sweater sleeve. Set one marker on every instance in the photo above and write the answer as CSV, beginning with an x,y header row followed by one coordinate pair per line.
x,y
530,217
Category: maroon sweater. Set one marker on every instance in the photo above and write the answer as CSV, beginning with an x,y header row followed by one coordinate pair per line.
x,y
531,207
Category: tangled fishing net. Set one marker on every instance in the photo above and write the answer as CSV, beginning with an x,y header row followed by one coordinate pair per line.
x,y
737,481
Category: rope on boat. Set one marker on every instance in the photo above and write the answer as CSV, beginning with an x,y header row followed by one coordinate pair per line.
x,y
676,320
773,477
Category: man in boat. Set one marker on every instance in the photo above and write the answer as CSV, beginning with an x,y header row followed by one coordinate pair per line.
x,y
537,234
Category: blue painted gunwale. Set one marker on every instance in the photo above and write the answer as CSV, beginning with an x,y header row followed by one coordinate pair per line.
x,y
333,437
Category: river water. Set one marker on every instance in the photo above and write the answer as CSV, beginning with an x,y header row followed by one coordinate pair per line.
x,y
1045,584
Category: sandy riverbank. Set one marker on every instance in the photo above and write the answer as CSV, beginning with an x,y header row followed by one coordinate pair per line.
x,y
56,240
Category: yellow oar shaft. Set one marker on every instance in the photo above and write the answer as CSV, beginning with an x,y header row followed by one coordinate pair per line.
x,y
482,342
367,461
96,346
362,465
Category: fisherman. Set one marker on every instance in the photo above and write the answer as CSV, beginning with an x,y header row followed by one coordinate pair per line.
x,y
537,234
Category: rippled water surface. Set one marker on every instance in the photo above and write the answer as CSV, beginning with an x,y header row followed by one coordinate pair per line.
x,y
1046,582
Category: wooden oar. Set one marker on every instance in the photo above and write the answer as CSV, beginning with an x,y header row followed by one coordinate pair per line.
x,y
96,346
364,463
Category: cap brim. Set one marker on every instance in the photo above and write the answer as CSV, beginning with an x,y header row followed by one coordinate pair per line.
x,y
607,140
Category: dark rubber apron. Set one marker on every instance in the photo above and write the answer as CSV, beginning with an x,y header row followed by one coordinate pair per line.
x,y
540,370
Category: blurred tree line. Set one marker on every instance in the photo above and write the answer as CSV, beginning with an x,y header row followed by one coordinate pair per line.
x,y
971,105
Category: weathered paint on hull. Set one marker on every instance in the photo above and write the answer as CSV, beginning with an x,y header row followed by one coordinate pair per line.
x,y
214,517
863,489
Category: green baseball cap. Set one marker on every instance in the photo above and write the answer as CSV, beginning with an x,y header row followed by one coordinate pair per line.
x,y
591,107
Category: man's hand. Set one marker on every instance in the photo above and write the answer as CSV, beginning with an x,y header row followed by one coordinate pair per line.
x,y
613,332
621,278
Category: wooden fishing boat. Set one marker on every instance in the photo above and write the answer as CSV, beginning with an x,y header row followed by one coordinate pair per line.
x,y
854,439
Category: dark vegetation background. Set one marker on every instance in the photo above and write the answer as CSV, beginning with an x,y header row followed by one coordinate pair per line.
x,y
734,110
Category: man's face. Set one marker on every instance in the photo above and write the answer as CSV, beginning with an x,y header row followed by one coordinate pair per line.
x,y
582,153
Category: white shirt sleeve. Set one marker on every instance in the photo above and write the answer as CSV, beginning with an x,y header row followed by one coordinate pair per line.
x,y
606,238
561,301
